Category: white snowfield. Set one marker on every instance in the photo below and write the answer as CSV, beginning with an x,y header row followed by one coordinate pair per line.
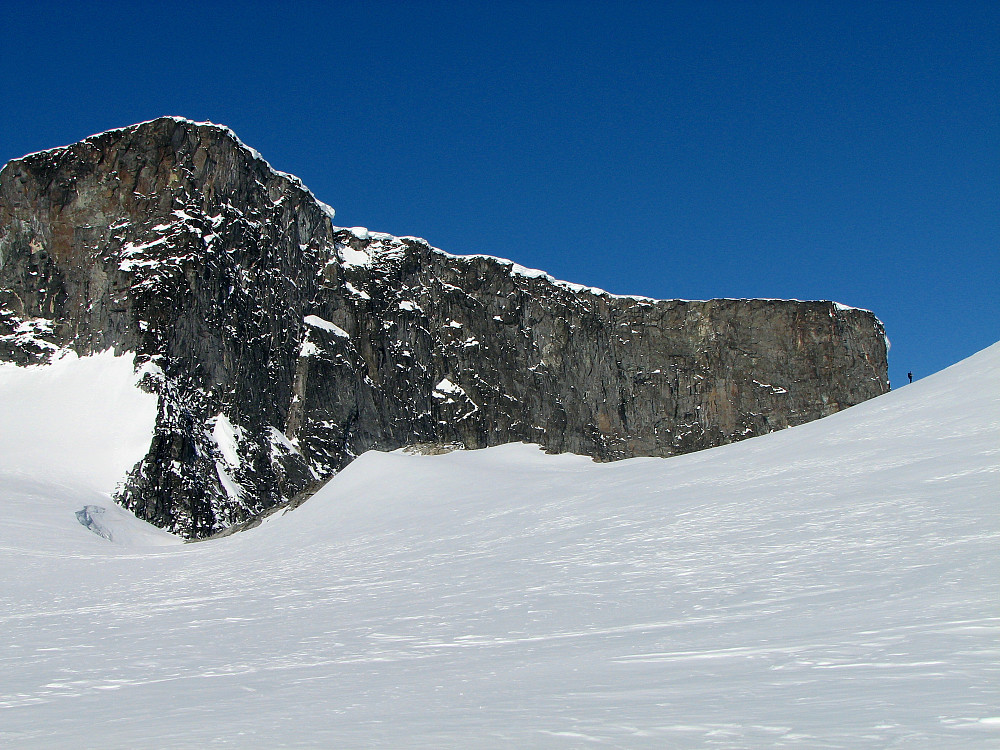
x,y
835,585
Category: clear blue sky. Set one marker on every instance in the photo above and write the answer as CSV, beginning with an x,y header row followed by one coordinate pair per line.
x,y
834,150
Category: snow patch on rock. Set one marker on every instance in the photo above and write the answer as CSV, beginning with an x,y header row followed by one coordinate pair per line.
x,y
317,322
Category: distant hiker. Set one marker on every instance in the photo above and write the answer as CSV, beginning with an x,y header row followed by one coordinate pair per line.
x,y
910,376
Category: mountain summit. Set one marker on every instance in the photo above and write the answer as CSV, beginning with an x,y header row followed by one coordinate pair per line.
x,y
280,346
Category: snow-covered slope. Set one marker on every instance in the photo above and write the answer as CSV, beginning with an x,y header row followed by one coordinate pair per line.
x,y
831,585
69,431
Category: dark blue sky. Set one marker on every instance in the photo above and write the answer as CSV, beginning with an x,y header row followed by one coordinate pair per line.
x,y
846,151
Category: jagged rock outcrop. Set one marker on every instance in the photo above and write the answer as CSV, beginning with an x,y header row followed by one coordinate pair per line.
x,y
281,346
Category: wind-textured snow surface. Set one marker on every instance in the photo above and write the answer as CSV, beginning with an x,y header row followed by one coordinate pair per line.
x,y
834,585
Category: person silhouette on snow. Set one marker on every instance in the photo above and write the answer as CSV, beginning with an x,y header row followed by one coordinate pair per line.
x,y
910,376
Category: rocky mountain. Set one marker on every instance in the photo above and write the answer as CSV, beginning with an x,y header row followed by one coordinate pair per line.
x,y
281,346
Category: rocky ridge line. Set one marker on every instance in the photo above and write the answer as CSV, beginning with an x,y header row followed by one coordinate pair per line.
x,y
281,346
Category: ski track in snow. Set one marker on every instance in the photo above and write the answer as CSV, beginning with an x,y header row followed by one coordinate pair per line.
x,y
833,585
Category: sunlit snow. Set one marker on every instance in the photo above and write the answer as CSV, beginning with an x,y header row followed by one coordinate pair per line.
x,y
832,585
317,322
79,420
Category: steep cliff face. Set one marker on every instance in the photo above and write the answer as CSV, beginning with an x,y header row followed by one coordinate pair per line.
x,y
281,346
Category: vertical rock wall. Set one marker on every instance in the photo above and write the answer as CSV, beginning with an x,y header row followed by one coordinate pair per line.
x,y
281,347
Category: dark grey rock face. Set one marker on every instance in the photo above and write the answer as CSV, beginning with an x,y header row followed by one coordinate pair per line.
x,y
281,347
